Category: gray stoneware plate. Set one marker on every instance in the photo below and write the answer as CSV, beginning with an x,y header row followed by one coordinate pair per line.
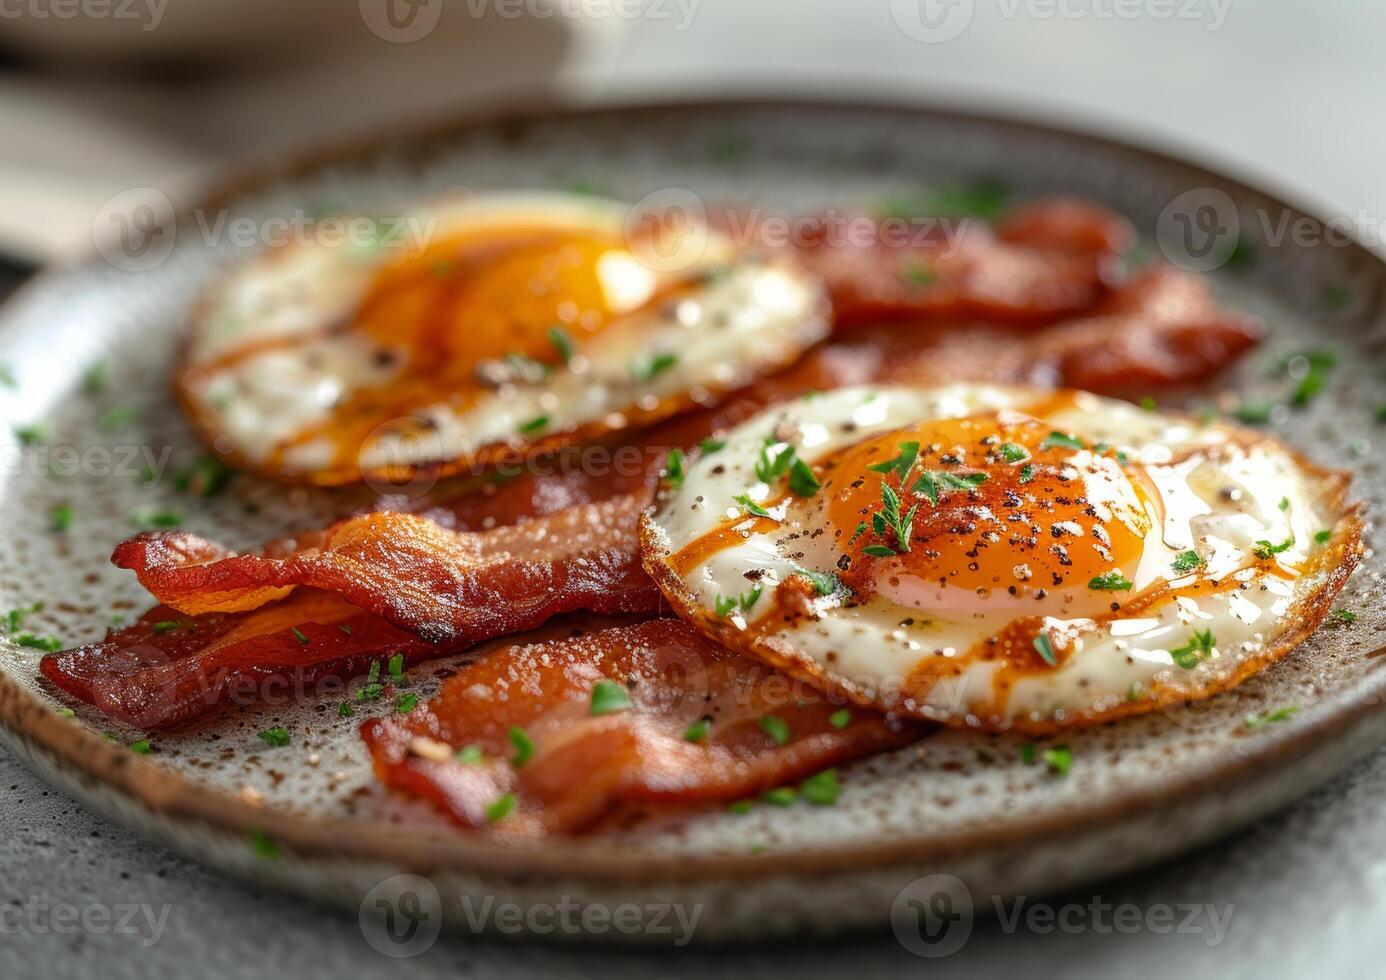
x,y
311,818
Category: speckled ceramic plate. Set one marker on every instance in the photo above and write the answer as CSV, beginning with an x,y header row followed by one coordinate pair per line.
x,y
310,817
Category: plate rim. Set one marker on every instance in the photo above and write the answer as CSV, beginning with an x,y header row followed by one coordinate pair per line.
x,y
172,796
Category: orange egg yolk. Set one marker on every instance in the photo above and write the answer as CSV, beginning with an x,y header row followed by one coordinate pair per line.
x,y
486,296
1006,515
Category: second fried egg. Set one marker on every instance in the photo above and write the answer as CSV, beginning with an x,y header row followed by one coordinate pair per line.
x,y
1001,558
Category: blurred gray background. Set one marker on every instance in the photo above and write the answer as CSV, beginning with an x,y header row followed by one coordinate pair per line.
x,y
174,91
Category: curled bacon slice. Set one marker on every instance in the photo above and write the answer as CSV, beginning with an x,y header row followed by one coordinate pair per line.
x,y
688,724
446,586
167,669
1045,261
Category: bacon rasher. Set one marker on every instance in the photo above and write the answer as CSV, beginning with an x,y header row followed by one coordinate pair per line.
x,y
526,741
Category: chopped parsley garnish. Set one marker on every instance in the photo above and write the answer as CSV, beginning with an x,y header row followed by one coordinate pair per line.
x,y
1270,717
165,626
1061,440
561,342
1264,549
750,506
1187,561
344,628
890,518
749,599
697,731
501,808
608,697
1323,537
771,465
142,747
824,583
739,806
115,419
723,605
48,644
66,712
930,482
535,424
14,619
470,754
205,478
524,368
648,368
1149,404
1058,759
840,718
31,435
984,199
1012,453
94,379
821,789
1027,753
156,518
345,710
776,727
1200,645
673,468
1284,503
395,668
300,636
1045,648
1110,582
60,518
278,736
781,796
1345,615
372,688
263,845
406,702
917,274
901,464
1310,387
711,445
803,482
1027,473
524,746
1254,412
7,377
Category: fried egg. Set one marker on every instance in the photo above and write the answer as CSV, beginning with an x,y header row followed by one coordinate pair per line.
x,y
1001,558
501,324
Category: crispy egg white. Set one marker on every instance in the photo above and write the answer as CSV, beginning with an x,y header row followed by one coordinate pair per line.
x,y
1001,558
518,320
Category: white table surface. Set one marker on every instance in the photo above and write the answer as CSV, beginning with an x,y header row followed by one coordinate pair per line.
x,y
1286,92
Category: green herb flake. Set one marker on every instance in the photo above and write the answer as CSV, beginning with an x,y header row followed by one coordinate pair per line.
x,y
278,736
264,846
1027,473
31,435
1265,550
1058,759
561,342
1062,440
48,644
1012,453
1110,582
406,703
824,583
60,518
470,754
1323,537
1199,647
524,746
1254,722
345,710
115,419
300,636
710,445
840,718
917,274
534,425
803,482
901,463
740,807
821,789
501,808
1187,561
697,731
395,667
776,727
207,477
649,368
750,506
165,626
608,697
781,796
673,468
1345,615
66,712
749,599
1256,412
723,605
1045,649
94,379
156,518
1028,753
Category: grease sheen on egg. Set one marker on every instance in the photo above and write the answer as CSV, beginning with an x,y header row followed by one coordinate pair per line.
x,y
519,320
1003,558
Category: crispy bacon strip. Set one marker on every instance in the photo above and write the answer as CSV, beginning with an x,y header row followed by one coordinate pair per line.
x,y
446,586
167,668
584,764
1045,261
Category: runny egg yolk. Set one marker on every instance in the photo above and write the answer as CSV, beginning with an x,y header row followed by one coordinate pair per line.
x,y
486,296
1006,516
